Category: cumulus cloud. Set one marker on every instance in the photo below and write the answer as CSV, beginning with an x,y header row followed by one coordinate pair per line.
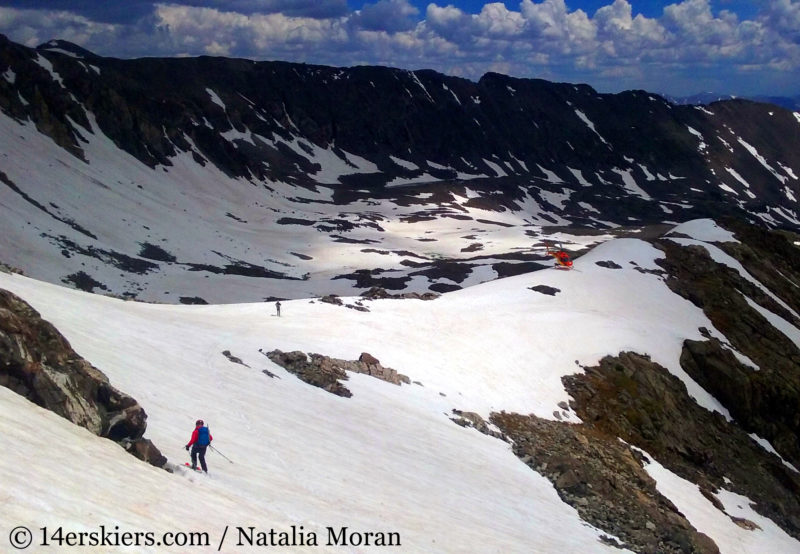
x,y
690,44
392,16
317,9
33,27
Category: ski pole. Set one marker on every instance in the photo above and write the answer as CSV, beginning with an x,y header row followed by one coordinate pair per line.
x,y
220,453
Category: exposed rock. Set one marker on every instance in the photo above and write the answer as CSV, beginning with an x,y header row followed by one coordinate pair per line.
x,y
332,299
325,372
368,359
766,401
233,359
603,479
5,268
544,289
630,397
326,378
471,419
378,293
609,264
37,362
145,450
769,256
196,300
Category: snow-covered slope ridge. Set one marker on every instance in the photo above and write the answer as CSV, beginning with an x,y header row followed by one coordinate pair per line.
x,y
388,459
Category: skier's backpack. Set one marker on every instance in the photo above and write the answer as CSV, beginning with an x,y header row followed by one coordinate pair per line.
x,y
202,436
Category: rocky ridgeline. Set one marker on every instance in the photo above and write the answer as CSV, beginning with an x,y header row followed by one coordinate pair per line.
x,y
764,401
37,362
635,399
630,397
325,372
151,109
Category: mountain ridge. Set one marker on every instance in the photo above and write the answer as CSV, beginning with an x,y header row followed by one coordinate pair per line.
x,y
345,169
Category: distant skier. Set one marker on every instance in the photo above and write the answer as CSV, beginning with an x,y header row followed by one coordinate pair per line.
x,y
201,438
278,307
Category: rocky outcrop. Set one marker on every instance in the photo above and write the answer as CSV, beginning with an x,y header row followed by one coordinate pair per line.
x,y
475,421
630,397
765,400
544,289
37,362
325,372
604,481
769,256
314,372
378,293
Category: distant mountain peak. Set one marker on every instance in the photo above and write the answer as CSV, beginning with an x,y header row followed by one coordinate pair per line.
x,y
66,47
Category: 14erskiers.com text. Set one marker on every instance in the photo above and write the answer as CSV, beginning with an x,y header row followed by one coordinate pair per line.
x,y
298,536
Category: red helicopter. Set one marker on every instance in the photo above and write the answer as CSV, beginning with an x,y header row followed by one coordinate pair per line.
x,y
563,260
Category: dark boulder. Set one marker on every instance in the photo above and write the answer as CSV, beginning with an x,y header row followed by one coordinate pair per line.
x,y
37,362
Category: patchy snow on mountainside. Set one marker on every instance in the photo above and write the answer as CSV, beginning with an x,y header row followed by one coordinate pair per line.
x,y
156,234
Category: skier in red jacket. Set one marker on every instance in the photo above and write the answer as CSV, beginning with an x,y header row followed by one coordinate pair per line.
x,y
201,438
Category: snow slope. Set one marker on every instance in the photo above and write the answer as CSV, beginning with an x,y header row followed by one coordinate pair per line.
x,y
96,216
387,459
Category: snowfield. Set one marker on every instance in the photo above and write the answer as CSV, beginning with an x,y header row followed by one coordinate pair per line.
x,y
99,216
387,461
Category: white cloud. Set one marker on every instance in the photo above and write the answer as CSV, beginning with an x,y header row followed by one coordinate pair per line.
x,y
613,49
386,15
33,27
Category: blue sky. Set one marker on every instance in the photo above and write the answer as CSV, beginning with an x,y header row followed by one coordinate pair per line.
x,y
682,47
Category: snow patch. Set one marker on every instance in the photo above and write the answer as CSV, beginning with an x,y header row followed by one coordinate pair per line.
x,y
496,168
789,331
630,183
48,65
550,176
706,518
588,122
416,80
404,163
750,148
741,179
788,170
702,146
705,230
647,175
453,93
405,181
579,176
766,445
555,198
216,99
